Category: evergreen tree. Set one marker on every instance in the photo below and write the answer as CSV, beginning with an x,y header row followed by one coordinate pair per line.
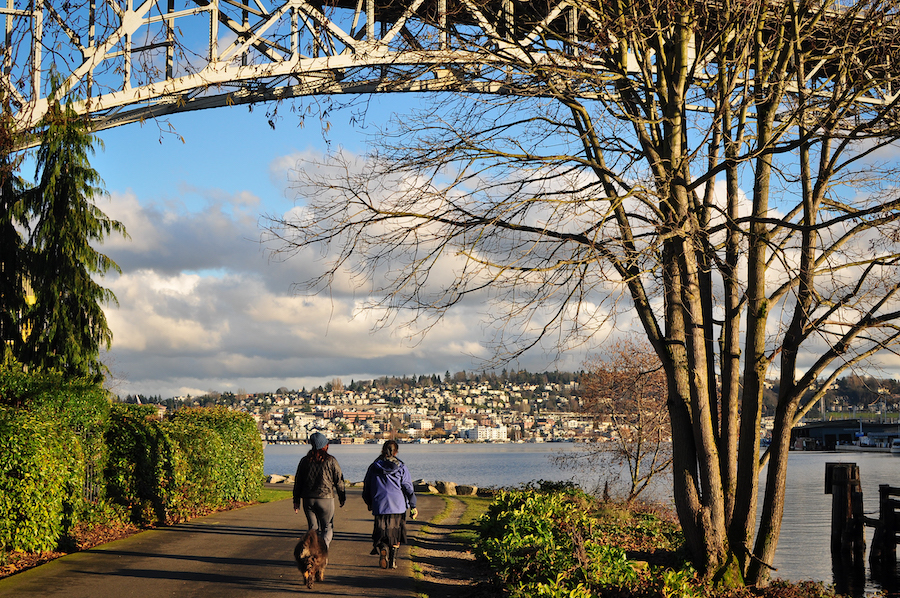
x,y
67,324
12,287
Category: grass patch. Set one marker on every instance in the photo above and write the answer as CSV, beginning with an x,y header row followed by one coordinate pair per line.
x,y
476,506
448,508
272,495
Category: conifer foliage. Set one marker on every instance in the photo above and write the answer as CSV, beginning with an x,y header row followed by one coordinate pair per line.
x,y
64,326
12,297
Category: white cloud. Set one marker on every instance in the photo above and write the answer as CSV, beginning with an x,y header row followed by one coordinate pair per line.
x,y
202,308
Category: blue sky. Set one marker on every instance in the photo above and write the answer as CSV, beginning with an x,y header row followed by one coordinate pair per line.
x,y
201,305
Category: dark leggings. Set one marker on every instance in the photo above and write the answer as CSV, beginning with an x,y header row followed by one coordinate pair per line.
x,y
320,516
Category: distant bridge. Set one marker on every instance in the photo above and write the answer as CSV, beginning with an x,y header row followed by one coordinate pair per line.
x,y
130,63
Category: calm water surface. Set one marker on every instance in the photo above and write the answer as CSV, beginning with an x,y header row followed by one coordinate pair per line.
x,y
804,550
478,464
803,553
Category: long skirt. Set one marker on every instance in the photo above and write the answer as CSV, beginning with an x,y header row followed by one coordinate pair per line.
x,y
390,530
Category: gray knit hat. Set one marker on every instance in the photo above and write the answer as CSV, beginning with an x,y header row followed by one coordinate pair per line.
x,y
318,441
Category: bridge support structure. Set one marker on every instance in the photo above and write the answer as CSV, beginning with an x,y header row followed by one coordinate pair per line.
x,y
129,61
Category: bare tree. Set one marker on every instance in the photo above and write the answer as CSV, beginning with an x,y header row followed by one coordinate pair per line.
x,y
624,392
719,171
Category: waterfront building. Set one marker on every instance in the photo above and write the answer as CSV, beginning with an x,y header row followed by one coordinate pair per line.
x,y
487,434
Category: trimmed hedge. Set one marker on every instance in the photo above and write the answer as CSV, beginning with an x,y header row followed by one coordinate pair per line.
x,y
146,471
168,471
204,452
67,455
50,432
41,475
238,471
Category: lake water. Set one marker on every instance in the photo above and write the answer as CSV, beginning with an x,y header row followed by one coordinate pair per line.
x,y
481,464
804,551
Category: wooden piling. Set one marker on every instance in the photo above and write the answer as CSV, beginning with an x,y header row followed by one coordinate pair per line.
x,y
847,520
884,543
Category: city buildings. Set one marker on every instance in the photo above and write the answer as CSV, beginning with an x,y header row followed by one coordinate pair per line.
x,y
520,407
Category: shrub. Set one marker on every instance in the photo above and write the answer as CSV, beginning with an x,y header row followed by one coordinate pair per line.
x,y
146,471
554,541
239,470
50,438
199,460
203,451
68,456
545,544
41,475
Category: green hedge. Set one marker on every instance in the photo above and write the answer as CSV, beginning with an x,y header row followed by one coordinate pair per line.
x,y
50,438
204,451
238,472
146,471
41,476
67,455
168,471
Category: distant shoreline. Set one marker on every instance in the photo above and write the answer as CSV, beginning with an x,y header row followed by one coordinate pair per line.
x,y
434,441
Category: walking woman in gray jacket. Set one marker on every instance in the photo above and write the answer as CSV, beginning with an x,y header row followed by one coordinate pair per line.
x,y
317,481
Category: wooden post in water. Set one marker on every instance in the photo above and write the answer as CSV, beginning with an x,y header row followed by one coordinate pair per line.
x,y
848,545
884,544
883,558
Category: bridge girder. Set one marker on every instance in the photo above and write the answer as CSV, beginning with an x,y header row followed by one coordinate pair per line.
x,y
166,56
145,61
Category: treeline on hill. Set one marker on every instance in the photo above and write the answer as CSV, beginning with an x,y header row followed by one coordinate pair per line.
x,y
70,460
851,391
492,379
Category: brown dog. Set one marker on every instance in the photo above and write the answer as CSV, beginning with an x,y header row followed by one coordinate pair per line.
x,y
311,554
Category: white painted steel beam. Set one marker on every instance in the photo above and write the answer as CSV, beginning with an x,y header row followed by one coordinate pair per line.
x,y
130,63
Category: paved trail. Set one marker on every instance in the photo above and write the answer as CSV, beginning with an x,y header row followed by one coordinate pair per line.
x,y
246,552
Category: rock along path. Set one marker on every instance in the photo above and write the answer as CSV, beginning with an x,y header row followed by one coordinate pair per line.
x,y
245,552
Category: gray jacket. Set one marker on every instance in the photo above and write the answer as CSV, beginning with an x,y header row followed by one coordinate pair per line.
x,y
319,479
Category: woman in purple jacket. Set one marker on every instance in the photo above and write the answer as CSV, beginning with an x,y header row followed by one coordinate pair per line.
x,y
387,491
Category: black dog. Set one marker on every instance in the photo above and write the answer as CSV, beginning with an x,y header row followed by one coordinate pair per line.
x,y
311,554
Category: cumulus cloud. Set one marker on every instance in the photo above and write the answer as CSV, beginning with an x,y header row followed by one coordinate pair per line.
x,y
202,307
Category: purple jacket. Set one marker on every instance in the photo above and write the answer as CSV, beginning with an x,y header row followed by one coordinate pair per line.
x,y
388,487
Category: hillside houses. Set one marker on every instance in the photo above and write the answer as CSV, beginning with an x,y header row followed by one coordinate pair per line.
x,y
516,407
444,412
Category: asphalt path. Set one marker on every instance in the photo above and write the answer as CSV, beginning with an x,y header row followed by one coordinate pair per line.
x,y
245,552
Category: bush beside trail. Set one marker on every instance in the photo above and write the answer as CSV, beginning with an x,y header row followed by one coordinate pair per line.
x,y
224,450
50,438
166,471
41,474
551,540
74,466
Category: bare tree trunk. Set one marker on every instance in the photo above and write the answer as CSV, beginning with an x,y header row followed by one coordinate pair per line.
x,y
773,504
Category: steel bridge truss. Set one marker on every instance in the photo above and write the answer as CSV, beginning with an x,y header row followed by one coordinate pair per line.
x,y
131,63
